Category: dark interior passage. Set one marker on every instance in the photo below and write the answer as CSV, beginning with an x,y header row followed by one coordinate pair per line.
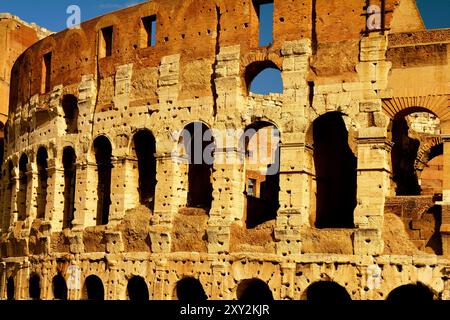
x,y
10,289
42,167
254,290
335,166
411,293
199,146
59,287
404,154
94,288
23,185
69,163
145,147
137,289
70,108
190,290
34,287
103,153
327,291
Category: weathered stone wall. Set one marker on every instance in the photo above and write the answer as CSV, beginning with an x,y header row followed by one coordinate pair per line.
x,y
199,71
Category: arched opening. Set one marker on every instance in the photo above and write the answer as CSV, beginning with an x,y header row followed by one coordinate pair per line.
x,y
137,289
59,287
103,153
327,291
69,163
411,293
10,289
94,288
23,186
412,132
145,148
10,186
199,147
262,164
42,167
34,287
190,290
70,108
254,290
263,77
335,166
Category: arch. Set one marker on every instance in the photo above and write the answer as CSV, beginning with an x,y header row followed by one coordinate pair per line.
x,y
59,287
10,288
103,154
198,144
34,287
23,186
436,104
335,170
190,290
411,293
263,77
144,144
327,291
261,141
410,152
254,290
93,288
137,289
69,164
41,195
71,112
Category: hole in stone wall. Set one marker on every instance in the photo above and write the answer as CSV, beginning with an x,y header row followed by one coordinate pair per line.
x,y
190,290
103,153
23,185
264,10
262,159
410,293
41,194
69,163
327,291
335,166
145,148
70,108
148,31
46,72
137,289
199,147
263,77
94,289
254,290
10,288
105,42
59,287
34,287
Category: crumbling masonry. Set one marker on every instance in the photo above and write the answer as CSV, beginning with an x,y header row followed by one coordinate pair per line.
x,y
98,201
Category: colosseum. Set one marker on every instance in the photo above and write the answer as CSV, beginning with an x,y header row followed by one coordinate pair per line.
x,y
103,195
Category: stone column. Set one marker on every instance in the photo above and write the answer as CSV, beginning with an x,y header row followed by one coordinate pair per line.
x,y
124,188
85,196
287,290
169,195
159,280
445,203
219,288
54,211
30,207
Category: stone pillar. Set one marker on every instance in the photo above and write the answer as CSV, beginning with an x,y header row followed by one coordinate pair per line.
x,y
228,203
54,211
169,195
124,188
159,280
445,203
30,207
287,289
85,196
219,288
373,151
372,187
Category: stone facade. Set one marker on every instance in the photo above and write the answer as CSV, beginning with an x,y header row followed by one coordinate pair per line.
x,y
97,196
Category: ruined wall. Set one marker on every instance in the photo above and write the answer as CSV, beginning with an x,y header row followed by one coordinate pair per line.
x,y
206,55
